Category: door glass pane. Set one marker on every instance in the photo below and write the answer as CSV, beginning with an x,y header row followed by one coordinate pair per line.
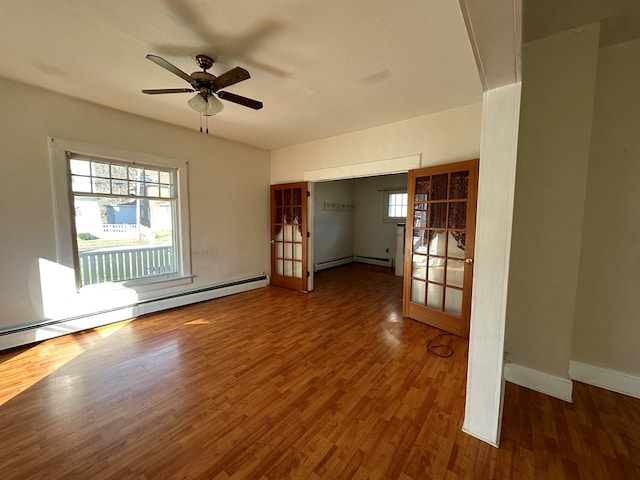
x,y
287,197
279,215
434,296
438,217
455,272
453,301
439,186
288,268
420,217
458,215
297,251
437,243
459,185
297,266
279,250
422,189
288,233
455,246
288,250
279,267
436,269
417,291
278,197
419,264
419,241
297,196
297,215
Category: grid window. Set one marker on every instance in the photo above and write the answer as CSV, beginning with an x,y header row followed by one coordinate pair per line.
x,y
124,219
397,205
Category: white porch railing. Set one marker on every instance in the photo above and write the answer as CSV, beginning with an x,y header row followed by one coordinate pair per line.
x,y
116,264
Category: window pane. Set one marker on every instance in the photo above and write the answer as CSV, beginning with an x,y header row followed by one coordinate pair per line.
x,y
119,187
136,173
80,167
166,177
151,175
101,185
119,171
439,187
81,184
136,188
123,239
459,187
100,169
434,296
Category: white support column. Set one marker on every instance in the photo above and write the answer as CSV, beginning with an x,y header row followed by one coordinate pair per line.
x,y
498,154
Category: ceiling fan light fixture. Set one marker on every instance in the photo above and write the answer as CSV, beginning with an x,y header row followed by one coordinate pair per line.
x,y
207,106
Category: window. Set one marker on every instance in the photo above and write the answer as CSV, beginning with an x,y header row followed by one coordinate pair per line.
x,y
395,205
122,216
124,219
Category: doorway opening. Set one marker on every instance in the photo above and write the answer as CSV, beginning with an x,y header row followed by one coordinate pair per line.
x,y
359,220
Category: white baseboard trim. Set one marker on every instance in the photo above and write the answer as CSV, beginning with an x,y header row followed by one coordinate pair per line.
x,y
51,329
382,262
332,263
613,380
542,382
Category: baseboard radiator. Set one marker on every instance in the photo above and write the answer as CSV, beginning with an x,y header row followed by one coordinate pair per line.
x,y
55,328
332,263
382,262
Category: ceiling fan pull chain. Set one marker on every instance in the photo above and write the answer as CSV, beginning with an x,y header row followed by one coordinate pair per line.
x,y
206,122
200,122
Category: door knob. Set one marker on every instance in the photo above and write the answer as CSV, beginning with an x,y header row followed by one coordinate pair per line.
x,y
468,260
273,242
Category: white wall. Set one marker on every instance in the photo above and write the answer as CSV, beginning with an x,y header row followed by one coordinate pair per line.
x,y
333,220
228,192
373,235
443,137
558,81
607,332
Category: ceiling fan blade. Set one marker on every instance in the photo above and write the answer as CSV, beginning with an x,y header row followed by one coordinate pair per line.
x,y
244,101
157,91
172,68
231,77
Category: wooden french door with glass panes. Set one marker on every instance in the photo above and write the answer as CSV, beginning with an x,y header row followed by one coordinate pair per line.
x,y
439,243
289,236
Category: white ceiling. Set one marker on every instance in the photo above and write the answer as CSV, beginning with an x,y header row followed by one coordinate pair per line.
x,y
322,68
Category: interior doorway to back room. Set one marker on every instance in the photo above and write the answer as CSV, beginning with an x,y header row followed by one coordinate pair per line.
x,y
356,220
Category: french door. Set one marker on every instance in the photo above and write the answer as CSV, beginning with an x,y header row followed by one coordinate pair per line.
x,y
289,237
439,245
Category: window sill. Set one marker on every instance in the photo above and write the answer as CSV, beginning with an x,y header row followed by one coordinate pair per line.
x,y
140,285
394,219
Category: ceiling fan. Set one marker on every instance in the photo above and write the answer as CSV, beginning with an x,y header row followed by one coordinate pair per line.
x,y
207,86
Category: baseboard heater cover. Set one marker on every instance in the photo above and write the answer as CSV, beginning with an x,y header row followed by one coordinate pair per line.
x,y
55,328
383,262
332,263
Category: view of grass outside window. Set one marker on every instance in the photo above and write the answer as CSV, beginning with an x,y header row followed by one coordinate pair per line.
x,y
124,219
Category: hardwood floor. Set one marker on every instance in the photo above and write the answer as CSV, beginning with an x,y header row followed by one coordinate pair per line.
x,y
275,384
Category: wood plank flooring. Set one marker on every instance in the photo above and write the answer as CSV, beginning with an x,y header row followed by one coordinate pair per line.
x,y
274,384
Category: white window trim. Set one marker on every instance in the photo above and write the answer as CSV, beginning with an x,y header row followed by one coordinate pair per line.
x,y
385,205
65,242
